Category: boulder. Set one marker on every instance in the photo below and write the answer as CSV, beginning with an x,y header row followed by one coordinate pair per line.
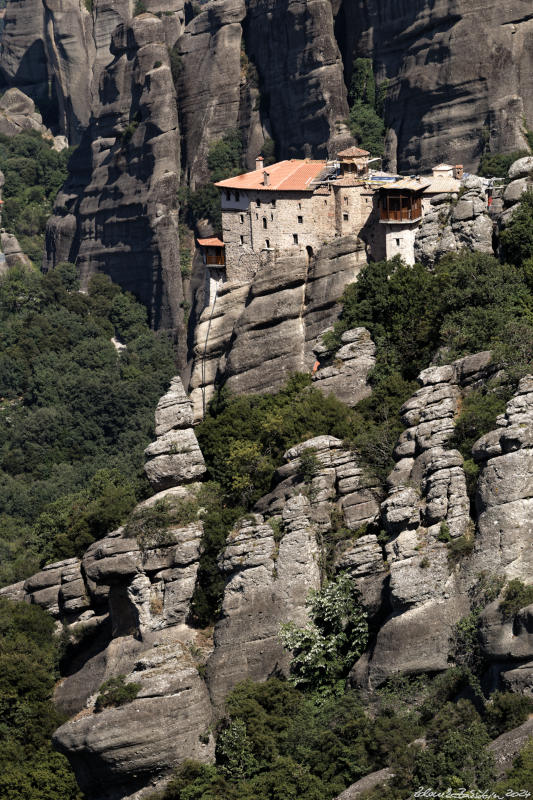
x,y
521,168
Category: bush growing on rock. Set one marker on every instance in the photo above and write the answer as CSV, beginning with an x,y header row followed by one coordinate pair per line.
x,y
116,692
327,647
516,596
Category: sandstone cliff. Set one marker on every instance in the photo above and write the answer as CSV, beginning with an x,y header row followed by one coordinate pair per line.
x,y
117,213
457,71
126,604
259,333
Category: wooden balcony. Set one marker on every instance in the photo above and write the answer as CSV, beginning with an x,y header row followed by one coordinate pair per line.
x,y
216,259
399,208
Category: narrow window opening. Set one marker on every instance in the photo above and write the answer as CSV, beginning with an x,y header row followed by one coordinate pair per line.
x,y
264,222
237,195
299,206
397,242
242,219
345,201
258,203
267,243
295,238
242,239
300,220
345,217
228,194
273,204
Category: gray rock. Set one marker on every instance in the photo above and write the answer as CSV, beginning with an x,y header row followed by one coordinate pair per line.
x,y
149,736
267,584
365,784
257,335
521,168
174,409
463,210
506,747
346,378
514,190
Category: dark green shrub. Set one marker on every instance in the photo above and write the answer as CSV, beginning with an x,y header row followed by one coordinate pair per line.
x,y
461,547
517,238
116,692
139,8
506,711
516,596
309,464
75,415
477,417
29,654
496,165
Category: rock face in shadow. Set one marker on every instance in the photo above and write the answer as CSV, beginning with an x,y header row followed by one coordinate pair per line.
x,y
217,89
465,72
300,68
117,213
259,333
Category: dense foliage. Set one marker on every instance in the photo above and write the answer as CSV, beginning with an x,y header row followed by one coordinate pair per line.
x,y
366,107
75,415
29,767
33,175
496,165
278,742
243,438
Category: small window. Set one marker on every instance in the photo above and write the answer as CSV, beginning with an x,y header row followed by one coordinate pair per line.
x,y
300,220
273,204
242,219
345,201
264,222
295,238
237,195
345,217
242,239
397,242
272,216
267,243
257,216
258,203
325,202
228,194
299,206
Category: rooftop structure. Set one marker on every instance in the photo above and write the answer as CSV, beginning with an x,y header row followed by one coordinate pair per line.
x,y
294,175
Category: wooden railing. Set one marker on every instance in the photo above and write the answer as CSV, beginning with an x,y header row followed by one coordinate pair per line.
x,y
217,260
402,213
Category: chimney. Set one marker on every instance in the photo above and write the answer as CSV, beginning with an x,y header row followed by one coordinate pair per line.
x,y
458,171
259,162
266,178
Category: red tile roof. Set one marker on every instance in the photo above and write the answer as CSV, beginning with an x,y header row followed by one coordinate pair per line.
x,y
285,176
213,242
353,152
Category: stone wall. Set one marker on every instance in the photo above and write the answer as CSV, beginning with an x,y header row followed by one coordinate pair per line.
x,y
255,222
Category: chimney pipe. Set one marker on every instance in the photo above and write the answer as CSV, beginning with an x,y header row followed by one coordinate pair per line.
x,y
266,178
259,162
458,171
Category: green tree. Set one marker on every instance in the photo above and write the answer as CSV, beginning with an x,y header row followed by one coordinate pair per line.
x,y
329,645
